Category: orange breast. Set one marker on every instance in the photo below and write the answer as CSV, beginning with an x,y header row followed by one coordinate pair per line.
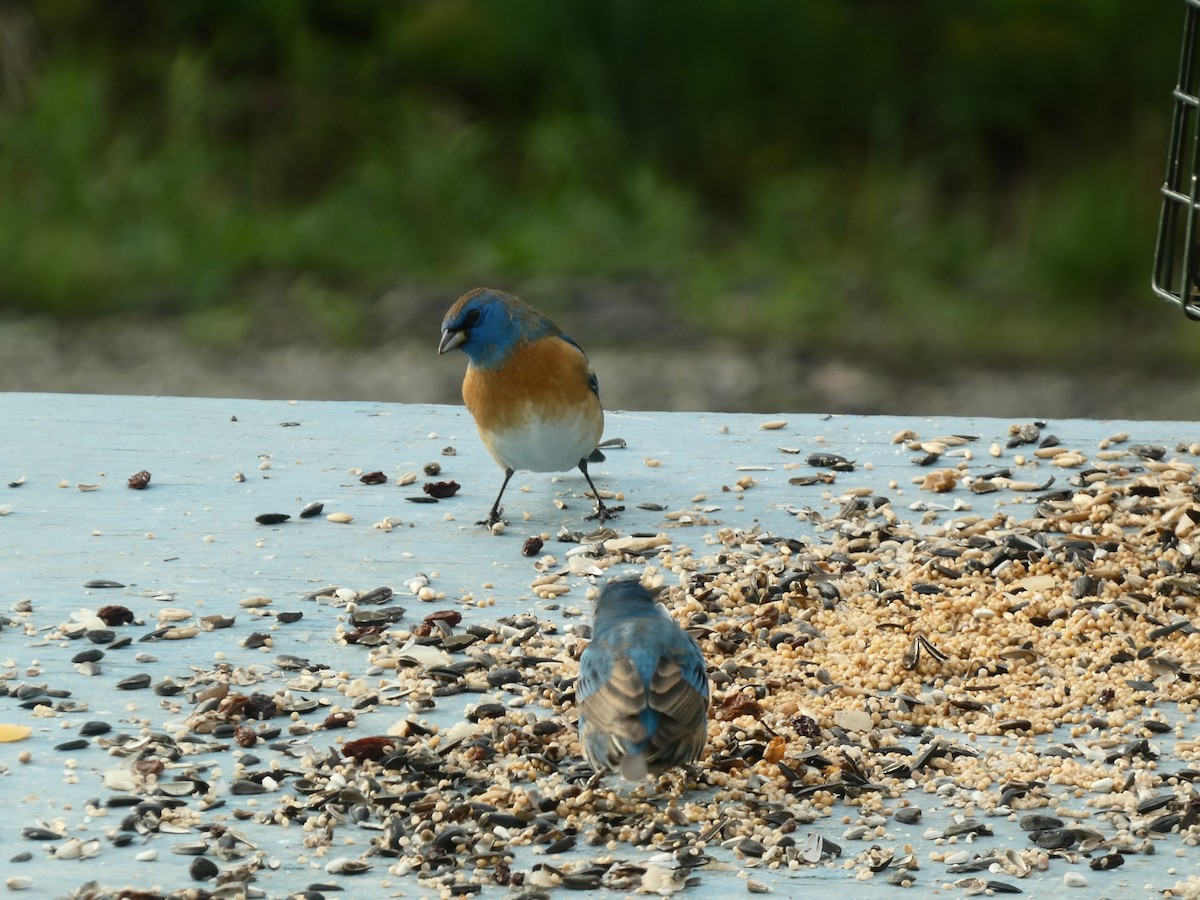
x,y
550,374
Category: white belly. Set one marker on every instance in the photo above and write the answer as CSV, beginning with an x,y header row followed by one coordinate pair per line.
x,y
544,445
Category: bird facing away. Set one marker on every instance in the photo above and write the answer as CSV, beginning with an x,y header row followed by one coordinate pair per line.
x,y
643,690
529,387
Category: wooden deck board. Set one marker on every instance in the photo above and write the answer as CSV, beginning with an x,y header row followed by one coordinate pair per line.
x,y
192,535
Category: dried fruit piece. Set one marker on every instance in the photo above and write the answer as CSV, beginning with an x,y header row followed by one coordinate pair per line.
x,y
364,635
739,704
338,720
115,615
441,489
368,748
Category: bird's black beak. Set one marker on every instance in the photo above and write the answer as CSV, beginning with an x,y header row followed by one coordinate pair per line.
x,y
450,340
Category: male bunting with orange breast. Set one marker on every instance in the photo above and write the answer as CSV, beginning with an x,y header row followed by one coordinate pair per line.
x,y
529,387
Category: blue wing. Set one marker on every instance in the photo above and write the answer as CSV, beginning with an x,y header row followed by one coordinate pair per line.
x,y
679,695
692,666
612,703
595,665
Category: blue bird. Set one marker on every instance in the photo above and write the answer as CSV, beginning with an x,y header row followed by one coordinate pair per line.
x,y
529,387
642,690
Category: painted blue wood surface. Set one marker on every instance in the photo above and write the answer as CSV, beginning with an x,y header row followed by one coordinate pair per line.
x,y
192,534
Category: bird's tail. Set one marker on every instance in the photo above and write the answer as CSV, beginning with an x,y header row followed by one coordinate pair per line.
x,y
633,767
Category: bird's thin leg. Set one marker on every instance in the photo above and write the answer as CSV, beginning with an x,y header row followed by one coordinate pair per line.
x,y
602,512
494,516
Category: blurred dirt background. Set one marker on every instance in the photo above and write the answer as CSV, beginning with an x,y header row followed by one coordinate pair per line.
x,y
657,364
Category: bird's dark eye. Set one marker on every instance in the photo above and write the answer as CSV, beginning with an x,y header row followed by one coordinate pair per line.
x,y
472,317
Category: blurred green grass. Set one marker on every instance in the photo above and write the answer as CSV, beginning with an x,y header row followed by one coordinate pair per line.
x,y
922,183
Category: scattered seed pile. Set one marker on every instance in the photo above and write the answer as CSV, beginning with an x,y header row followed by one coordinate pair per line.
x,y
1029,662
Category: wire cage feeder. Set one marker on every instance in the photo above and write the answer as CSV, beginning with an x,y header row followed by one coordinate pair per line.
x,y
1177,251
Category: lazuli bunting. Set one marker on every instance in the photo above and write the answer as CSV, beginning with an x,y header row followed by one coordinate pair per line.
x,y
529,387
642,690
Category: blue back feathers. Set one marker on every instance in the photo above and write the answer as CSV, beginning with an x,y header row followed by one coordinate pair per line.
x,y
642,690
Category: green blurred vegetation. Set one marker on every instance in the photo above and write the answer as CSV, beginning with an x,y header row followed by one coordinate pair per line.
x,y
909,179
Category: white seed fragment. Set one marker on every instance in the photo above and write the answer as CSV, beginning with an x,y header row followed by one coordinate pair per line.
x,y
121,780
633,544
853,720
1035,583
1068,460
340,517
1075,879
343,865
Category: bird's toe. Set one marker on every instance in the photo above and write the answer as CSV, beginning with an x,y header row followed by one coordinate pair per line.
x,y
604,513
493,518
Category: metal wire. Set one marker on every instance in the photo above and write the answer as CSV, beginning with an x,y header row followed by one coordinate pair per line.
x,y
1176,254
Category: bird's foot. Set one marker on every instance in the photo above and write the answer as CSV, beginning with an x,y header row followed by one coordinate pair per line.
x,y
493,518
604,513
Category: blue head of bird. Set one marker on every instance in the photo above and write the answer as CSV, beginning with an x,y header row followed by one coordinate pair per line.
x,y
625,598
486,324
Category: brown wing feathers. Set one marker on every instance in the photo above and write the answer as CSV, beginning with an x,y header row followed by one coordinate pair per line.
x,y
614,708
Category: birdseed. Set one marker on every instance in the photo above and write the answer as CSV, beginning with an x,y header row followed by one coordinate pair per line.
x,y
1025,655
